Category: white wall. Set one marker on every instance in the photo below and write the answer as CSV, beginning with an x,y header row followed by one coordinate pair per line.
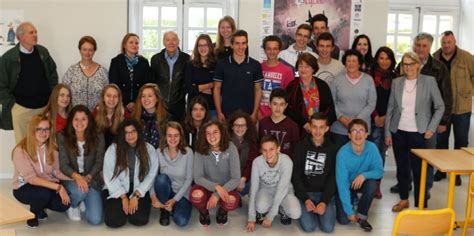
x,y
60,25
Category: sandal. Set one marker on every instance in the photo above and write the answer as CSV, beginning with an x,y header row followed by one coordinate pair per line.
x,y
400,206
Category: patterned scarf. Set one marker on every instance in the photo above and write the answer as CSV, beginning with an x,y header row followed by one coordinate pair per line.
x,y
131,62
151,131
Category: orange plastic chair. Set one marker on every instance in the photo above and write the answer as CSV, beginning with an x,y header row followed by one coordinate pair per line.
x,y
424,222
470,194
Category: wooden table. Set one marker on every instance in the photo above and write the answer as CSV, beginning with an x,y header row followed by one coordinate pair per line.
x,y
452,162
469,149
12,212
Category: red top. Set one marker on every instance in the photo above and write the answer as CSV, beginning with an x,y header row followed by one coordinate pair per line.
x,y
60,123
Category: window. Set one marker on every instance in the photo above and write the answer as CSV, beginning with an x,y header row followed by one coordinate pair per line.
x,y
150,19
406,19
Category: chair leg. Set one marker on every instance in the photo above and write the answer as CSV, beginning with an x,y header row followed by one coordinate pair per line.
x,y
467,218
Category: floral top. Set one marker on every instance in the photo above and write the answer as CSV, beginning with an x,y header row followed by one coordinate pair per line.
x,y
311,97
85,90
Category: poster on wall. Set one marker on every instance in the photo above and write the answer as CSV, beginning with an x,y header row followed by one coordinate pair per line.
x,y
9,21
344,16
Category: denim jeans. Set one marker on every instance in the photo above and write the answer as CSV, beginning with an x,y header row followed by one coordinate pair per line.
x,y
309,220
430,144
461,124
407,163
246,189
92,200
378,137
367,189
164,192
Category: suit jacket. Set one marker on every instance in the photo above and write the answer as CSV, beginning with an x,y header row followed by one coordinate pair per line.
x,y
93,161
427,96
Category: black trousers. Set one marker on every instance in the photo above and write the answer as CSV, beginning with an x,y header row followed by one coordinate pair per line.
x,y
114,216
39,198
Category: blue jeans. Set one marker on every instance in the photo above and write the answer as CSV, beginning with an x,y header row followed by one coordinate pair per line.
x,y
164,192
92,200
378,137
368,191
309,220
461,124
407,163
246,189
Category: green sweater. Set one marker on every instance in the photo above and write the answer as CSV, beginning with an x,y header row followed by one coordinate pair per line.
x,y
10,67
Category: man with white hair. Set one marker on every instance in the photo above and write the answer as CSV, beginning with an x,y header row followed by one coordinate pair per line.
x,y
27,77
460,64
167,70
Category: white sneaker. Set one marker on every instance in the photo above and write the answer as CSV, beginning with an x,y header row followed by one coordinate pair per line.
x,y
82,207
74,214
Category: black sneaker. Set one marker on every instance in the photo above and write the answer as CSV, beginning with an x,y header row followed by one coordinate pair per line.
x,y
284,219
458,180
364,224
204,219
395,189
221,217
439,176
259,218
42,215
164,217
33,223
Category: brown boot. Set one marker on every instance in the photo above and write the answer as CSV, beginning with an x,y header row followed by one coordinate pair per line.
x,y
378,193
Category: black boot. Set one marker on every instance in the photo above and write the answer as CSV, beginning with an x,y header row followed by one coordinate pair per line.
x,y
439,176
164,217
458,180
204,218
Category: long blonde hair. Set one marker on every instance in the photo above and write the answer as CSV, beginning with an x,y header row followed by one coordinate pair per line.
x,y
219,39
29,143
51,110
160,105
102,122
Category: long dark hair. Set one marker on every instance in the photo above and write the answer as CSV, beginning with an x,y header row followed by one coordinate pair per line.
x,y
390,55
367,58
203,147
251,133
90,134
188,120
196,57
122,150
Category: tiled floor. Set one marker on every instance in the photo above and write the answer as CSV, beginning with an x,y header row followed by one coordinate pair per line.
x,y
380,217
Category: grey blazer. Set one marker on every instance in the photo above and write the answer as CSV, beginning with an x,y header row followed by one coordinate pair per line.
x,y
93,162
427,96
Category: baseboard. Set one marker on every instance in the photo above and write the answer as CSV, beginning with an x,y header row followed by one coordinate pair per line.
x,y
6,175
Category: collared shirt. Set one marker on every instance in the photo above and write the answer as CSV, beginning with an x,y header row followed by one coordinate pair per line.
x,y
171,60
25,51
238,83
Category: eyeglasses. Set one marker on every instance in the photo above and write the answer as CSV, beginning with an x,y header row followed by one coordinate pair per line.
x,y
240,126
131,132
357,131
43,130
409,65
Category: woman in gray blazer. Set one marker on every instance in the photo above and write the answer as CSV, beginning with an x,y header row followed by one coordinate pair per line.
x,y
81,156
410,121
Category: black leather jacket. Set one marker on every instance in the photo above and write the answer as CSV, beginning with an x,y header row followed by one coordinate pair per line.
x,y
173,90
